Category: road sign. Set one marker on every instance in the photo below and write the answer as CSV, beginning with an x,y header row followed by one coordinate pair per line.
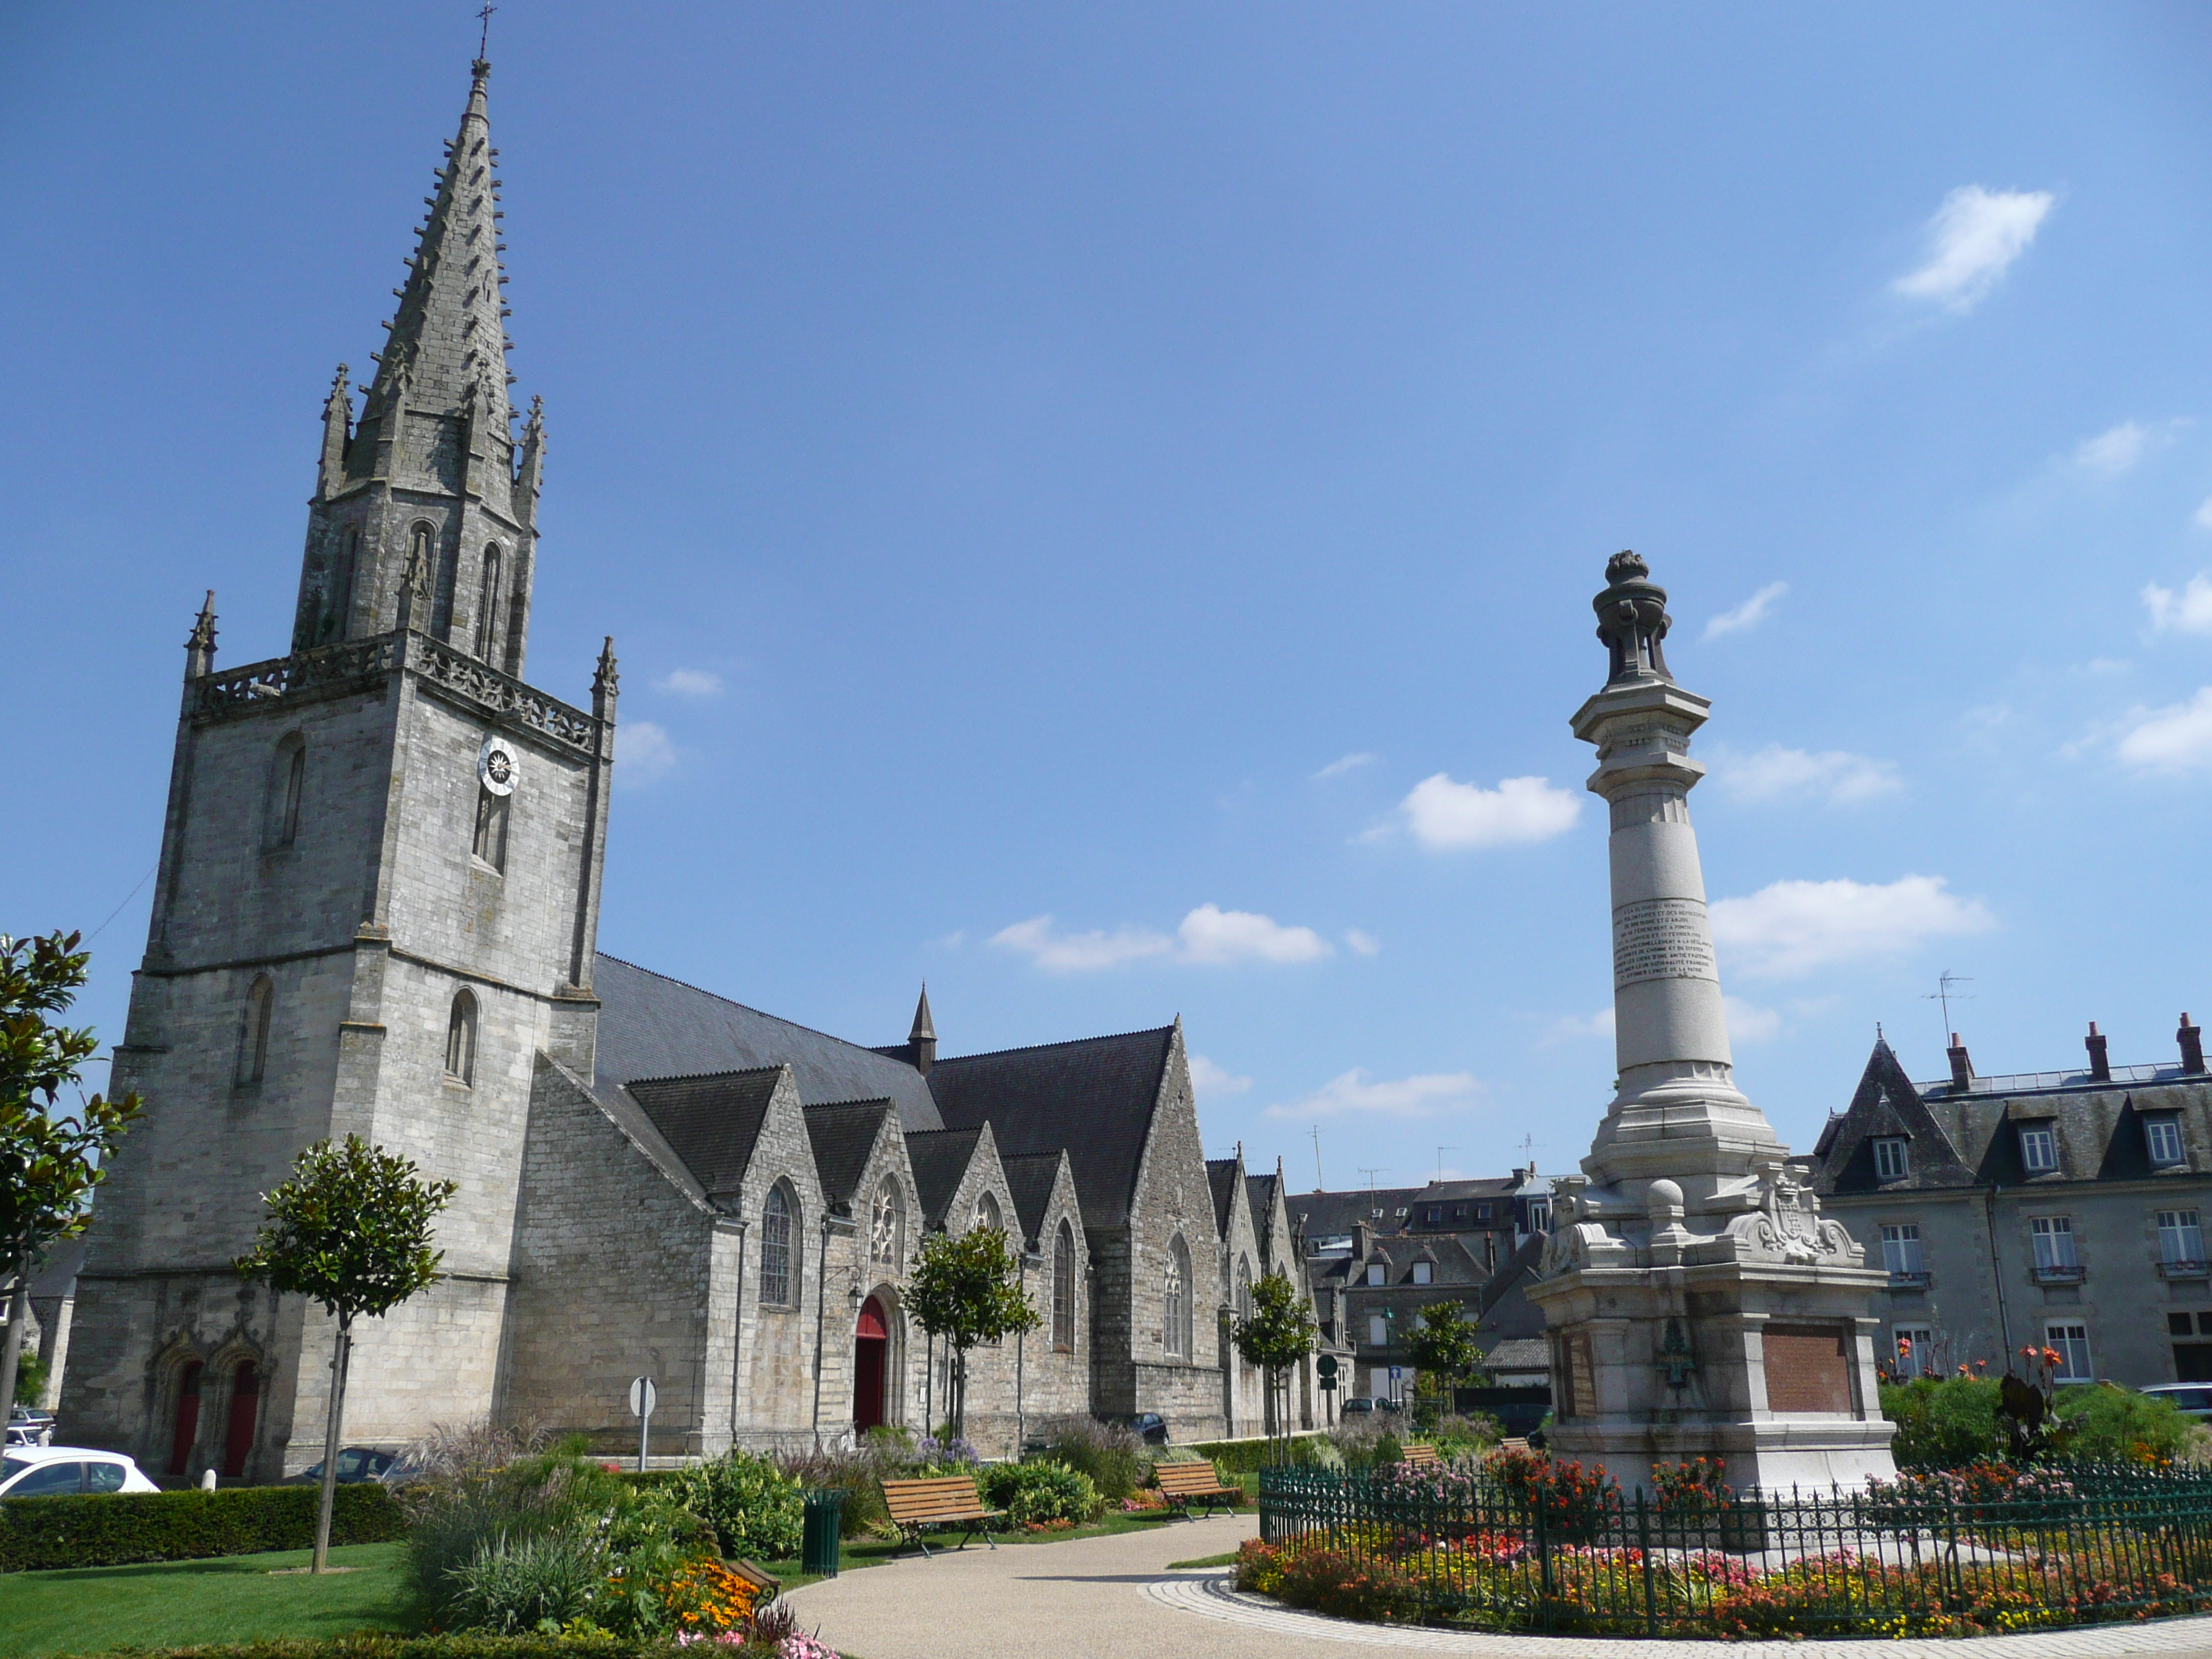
x,y
643,1397
1396,1372
1325,1364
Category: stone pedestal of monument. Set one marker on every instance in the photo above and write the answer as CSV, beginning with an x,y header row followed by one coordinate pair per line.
x,y
1697,1302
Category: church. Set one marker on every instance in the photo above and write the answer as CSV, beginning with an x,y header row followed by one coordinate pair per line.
x,y
377,912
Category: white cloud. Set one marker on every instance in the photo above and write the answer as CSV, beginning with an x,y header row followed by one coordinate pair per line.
x,y
645,752
1446,815
2111,453
690,682
1973,239
1792,927
1208,1081
1365,944
1775,773
1749,614
1352,1095
1570,1027
955,940
1337,768
1075,953
1210,933
2204,514
1748,1022
2189,611
2174,739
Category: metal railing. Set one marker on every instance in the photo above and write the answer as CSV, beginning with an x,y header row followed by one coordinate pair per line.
x,y
1950,1557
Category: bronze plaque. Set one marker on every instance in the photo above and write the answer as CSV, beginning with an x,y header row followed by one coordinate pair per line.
x,y
1808,1368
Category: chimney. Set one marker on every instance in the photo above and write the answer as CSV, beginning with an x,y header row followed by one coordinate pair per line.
x,y
922,1039
2192,1047
1962,1069
2100,1064
1363,1240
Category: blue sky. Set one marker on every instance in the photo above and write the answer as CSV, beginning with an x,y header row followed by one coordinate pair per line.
x,y
1097,507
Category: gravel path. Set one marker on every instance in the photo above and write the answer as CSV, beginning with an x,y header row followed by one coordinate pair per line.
x,y
1113,1598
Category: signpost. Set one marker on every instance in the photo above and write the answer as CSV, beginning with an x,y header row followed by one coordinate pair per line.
x,y
642,1398
1397,1394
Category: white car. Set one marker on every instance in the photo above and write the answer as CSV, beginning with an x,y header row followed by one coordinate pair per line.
x,y
62,1471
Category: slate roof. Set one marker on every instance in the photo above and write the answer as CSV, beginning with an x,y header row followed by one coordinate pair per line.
x,y
1503,1306
1031,1178
1221,1178
651,1026
1094,1097
940,1157
711,1122
1328,1214
843,1135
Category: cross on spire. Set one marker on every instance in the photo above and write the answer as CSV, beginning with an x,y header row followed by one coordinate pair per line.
x,y
483,41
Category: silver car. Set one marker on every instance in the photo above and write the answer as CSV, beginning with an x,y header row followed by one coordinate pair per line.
x,y
66,1471
2191,1398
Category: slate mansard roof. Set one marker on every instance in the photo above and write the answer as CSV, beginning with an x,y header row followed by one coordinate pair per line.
x,y
1967,1136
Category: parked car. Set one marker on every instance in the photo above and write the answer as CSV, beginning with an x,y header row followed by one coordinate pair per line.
x,y
355,1463
2191,1399
1358,1405
1149,1426
61,1471
28,1428
1383,1404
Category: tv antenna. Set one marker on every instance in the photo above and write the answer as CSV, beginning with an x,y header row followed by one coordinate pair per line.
x,y
1944,994
1319,1184
1380,1169
1441,1150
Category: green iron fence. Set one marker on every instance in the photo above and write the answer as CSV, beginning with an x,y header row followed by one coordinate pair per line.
x,y
2090,1543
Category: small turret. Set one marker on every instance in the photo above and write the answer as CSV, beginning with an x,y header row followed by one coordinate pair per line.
x,y
922,1039
606,683
532,473
199,649
338,430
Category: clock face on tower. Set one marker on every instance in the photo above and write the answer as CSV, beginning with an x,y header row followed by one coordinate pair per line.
x,y
495,766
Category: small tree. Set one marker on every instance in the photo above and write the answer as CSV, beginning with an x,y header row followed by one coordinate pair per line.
x,y
1443,1345
965,1290
1278,1333
350,1229
49,1162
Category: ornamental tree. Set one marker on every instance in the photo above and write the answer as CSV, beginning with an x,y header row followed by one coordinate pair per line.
x,y
50,1161
350,1229
964,1290
1278,1334
1443,1345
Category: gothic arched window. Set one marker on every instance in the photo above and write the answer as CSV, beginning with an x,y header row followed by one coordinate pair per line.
x,y
488,603
1063,1289
987,1213
461,1039
253,1029
1244,1292
779,1248
887,1227
288,784
1175,1301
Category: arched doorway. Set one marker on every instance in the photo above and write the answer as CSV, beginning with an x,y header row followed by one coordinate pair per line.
x,y
186,1428
872,1343
244,1401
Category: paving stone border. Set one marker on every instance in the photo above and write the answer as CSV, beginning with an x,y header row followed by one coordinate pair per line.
x,y
1213,1596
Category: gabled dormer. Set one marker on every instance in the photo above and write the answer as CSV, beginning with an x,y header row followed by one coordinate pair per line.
x,y
1886,1138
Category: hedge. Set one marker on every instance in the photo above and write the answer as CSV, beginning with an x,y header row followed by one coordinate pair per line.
x,y
118,1529
1248,1456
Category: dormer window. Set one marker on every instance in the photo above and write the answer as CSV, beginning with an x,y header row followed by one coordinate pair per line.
x,y
1423,1273
2162,1135
2039,1148
1891,1161
1376,1271
1539,1215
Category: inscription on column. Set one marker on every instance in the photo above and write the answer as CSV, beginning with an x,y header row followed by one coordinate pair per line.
x,y
1662,938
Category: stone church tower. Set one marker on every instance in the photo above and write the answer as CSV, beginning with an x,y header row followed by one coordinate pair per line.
x,y
378,904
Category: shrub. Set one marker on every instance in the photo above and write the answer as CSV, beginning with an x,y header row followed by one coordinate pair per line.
x,y
753,1507
1249,1456
514,1585
469,1511
1331,1581
1259,1567
1455,1435
1039,1493
120,1529
2104,1424
856,1474
1111,1453
1944,1423
1699,1483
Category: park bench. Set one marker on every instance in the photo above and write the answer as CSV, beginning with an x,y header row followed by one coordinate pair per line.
x,y
1419,1456
1185,1483
938,1504
1514,1443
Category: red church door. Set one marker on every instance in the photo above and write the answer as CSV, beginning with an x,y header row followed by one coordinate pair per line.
x,y
188,1427
870,1344
245,1400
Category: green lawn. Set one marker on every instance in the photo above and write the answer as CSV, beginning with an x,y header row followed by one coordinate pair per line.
x,y
174,1603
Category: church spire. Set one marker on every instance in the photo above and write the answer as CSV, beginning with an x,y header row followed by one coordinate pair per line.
x,y
922,1039
445,353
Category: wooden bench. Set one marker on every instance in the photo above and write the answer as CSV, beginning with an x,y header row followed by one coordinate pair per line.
x,y
1185,1483
1418,1456
1514,1443
938,1504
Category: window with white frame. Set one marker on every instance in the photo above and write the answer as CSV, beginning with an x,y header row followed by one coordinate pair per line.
x,y
1379,1331
1376,1271
1423,1273
2163,1136
2071,1342
1539,1215
1914,1346
2180,1237
1890,1161
1900,1248
2039,1148
2054,1242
